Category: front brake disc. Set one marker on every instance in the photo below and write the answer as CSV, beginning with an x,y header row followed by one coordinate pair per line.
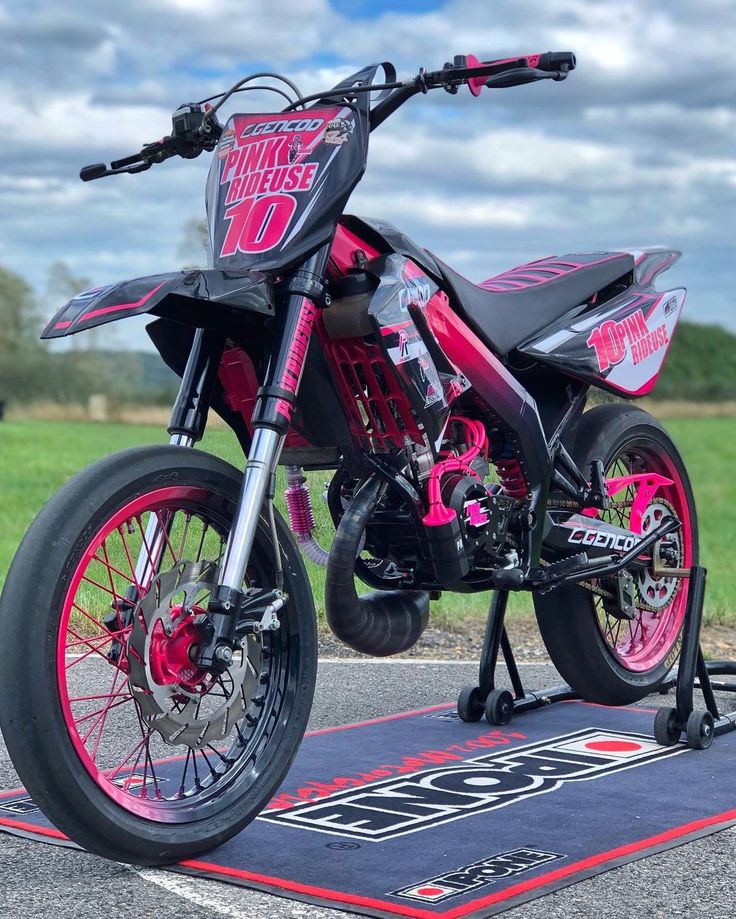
x,y
182,702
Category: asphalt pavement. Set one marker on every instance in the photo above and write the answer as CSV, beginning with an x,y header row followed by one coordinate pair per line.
x,y
38,880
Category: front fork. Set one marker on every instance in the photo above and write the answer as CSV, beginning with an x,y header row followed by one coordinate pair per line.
x,y
271,420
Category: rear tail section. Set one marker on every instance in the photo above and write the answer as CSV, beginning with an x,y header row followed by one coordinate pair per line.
x,y
619,344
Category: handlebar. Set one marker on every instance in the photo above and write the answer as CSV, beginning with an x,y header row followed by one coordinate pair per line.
x,y
512,71
191,135
194,130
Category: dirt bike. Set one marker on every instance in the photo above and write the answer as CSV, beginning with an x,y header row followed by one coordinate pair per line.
x,y
159,608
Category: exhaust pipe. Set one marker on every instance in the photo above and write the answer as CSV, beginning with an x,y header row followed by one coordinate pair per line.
x,y
380,623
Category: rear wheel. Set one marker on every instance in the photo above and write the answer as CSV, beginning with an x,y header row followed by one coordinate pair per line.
x,y
604,657
142,756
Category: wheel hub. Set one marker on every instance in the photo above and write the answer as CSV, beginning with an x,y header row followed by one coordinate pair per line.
x,y
172,656
172,693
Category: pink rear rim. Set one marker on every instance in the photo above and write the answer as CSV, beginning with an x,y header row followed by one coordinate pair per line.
x,y
118,747
652,637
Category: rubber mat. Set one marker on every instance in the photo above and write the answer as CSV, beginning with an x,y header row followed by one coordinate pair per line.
x,y
422,815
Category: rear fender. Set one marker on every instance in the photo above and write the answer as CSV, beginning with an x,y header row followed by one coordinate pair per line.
x,y
619,346
652,262
208,299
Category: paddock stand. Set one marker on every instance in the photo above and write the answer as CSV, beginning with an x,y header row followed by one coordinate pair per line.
x,y
499,705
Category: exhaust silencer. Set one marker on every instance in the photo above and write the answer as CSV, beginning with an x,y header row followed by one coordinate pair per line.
x,y
379,623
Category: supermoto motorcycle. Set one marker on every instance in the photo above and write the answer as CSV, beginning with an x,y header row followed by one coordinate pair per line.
x,y
158,607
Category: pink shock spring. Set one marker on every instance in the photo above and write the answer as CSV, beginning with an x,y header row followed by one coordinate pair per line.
x,y
511,477
299,505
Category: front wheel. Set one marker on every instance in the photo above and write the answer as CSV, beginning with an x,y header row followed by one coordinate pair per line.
x,y
604,657
123,742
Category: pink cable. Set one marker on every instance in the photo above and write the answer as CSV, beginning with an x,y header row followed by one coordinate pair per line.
x,y
438,514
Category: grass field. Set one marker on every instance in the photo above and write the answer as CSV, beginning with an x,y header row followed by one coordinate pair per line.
x,y
37,457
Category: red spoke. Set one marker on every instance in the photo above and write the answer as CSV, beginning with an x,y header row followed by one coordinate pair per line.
x,y
102,717
164,528
89,580
105,708
104,695
94,621
109,565
129,558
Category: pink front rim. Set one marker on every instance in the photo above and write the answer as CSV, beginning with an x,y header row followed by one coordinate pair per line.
x,y
652,637
122,780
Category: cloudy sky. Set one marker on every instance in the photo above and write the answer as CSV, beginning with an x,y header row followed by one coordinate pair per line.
x,y
637,147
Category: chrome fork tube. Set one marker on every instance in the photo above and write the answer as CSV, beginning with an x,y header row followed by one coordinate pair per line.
x,y
271,420
186,427
264,452
150,552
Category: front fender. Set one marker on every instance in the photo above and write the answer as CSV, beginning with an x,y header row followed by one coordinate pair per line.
x,y
206,298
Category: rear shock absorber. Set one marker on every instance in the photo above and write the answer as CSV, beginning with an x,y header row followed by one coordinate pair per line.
x,y
301,515
511,477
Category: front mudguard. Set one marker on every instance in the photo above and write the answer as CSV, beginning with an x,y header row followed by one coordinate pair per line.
x,y
209,298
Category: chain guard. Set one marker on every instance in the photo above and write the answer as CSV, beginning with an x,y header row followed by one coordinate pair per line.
x,y
180,714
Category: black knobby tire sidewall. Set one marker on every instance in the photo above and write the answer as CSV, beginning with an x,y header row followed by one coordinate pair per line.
x,y
30,711
566,617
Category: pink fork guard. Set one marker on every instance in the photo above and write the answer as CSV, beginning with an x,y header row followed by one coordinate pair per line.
x,y
647,482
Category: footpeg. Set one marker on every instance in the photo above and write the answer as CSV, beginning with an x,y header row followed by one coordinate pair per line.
x,y
551,573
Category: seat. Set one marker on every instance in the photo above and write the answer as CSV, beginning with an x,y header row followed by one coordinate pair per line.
x,y
507,310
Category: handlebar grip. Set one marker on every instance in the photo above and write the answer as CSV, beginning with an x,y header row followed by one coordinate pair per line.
x,y
556,61
94,171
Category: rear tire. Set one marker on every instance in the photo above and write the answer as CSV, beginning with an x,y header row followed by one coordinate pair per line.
x,y
42,713
597,666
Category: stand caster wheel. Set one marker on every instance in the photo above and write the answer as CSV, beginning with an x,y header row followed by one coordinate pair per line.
x,y
499,707
470,704
666,731
700,730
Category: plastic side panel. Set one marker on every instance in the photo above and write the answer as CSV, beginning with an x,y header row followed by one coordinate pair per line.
x,y
494,384
652,262
403,285
621,346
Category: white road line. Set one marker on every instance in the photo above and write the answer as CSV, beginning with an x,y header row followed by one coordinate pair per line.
x,y
373,661
214,896
184,887
420,660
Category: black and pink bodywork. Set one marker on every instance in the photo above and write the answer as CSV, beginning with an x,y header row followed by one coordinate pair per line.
x,y
462,456
366,354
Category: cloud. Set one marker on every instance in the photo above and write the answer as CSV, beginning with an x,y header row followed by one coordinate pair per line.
x,y
638,146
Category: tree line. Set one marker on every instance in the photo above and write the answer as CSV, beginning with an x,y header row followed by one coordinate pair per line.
x,y
701,365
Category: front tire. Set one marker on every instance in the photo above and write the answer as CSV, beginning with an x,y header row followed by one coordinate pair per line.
x,y
607,660
78,681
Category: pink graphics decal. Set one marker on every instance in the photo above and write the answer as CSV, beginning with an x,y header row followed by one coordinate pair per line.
x,y
295,363
97,294
645,341
613,339
266,164
533,274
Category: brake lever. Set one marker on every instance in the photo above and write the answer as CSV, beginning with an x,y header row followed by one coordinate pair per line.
x,y
101,171
519,76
